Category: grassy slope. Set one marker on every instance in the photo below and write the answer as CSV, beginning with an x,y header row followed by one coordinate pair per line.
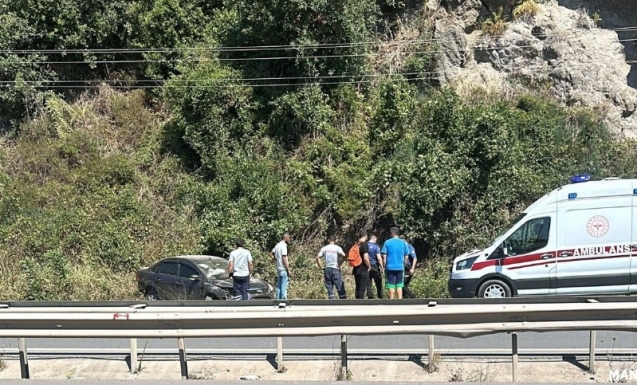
x,y
86,198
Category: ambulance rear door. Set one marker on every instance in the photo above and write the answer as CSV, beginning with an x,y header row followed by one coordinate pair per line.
x,y
595,236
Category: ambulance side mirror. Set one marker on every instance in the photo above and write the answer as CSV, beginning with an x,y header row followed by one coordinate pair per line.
x,y
505,251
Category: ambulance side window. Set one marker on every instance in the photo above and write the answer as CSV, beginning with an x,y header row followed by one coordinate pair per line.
x,y
530,237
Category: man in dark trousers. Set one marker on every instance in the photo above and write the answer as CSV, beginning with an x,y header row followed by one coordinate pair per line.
x,y
410,269
376,272
361,272
240,266
334,257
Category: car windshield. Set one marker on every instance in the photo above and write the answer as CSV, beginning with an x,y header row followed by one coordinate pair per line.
x,y
507,228
214,268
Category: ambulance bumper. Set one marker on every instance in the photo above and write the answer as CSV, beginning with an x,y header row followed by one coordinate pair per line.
x,y
462,288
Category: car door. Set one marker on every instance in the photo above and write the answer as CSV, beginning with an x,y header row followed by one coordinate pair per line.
x,y
167,279
531,257
188,288
596,255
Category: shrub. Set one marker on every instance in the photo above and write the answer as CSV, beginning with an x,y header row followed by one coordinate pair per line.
x,y
78,215
496,25
526,11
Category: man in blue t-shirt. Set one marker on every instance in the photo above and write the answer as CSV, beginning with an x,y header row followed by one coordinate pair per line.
x,y
395,255
410,266
376,271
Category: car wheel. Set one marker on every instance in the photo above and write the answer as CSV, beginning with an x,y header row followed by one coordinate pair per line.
x,y
151,295
494,289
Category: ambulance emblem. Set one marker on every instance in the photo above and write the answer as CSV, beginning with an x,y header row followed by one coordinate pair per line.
x,y
597,226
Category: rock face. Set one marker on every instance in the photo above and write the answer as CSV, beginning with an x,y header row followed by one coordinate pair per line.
x,y
561,50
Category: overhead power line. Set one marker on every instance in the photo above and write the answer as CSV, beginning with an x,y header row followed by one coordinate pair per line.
x,y
282,47
240,59
286,47
318,77
244,84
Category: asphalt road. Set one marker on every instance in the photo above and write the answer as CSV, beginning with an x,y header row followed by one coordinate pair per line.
x,y
204,382
551,340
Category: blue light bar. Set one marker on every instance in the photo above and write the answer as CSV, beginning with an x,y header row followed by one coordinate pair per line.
x,y
635,191
580,178
572,195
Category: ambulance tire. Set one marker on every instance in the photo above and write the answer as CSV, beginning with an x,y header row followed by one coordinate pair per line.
x,y
494,288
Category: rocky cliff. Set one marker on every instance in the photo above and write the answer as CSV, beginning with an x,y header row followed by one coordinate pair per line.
x,y
581,52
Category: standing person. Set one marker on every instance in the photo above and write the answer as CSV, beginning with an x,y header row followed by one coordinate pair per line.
x,y
410,268
376,272
358,258
395,253
241,269
280,255
334,257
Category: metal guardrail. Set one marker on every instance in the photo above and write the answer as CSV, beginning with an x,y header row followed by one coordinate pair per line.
x,y
319,302
316,318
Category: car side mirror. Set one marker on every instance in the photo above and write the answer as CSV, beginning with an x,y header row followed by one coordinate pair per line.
x,y
505,251
195,277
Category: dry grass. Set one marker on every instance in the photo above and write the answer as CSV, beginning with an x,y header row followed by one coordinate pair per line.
x,y
202,375
483,82
61,149
434,366
338,372
582,20
13,284
494,27
526,11
394,51
485,373
88,282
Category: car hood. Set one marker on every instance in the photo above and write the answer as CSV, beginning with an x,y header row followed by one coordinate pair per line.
x,y
227,283
466,255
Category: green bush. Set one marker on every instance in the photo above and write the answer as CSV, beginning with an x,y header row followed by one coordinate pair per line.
x,y
79,217
253,142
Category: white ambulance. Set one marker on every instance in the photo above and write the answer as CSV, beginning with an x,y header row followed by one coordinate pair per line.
x,y
579,239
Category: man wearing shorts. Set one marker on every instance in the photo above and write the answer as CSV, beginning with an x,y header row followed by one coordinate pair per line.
x,y
395,254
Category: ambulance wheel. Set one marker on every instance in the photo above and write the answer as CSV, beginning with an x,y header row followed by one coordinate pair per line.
x,y
494,289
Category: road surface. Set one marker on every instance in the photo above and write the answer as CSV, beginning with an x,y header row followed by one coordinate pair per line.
x,y
204,382
552,340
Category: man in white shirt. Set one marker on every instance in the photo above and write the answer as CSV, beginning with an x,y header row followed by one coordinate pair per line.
x,y
280,255
241,269
334,257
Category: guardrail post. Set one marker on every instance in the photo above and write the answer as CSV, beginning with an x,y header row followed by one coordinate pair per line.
x,y
343,357
432,363
182,359
133,355
514,351
279,354
591,352
24,358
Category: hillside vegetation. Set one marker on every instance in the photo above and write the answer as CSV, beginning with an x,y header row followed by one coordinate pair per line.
x,y
111,160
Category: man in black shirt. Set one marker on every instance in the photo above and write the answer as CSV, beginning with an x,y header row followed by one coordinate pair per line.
x,y
361,272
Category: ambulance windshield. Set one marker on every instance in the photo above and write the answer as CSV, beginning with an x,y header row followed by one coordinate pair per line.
x,y
507,228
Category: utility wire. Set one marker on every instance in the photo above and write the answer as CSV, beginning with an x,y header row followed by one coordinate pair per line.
x,y
298,47
266,58
282,47
215,80
214,49
242,84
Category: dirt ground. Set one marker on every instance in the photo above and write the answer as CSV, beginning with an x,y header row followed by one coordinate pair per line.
x,y
465,370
